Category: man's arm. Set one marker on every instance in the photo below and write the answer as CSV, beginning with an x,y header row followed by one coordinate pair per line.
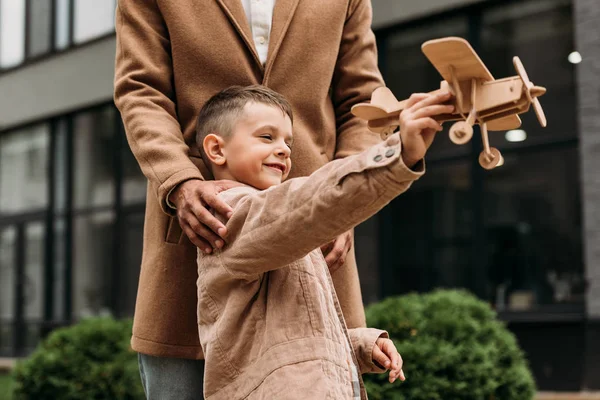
x,y
145,97
355,78
271,229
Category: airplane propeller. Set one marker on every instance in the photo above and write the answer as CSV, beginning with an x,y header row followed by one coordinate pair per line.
x,y
532,92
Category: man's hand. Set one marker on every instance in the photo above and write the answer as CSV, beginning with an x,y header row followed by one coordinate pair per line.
x,y
335,252
386,355
193,198
417,126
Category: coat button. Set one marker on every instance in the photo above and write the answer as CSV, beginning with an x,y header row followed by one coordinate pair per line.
x,y
378,158
389,153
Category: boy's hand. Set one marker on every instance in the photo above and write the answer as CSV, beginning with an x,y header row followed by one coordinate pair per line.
x,y
417,126
386,355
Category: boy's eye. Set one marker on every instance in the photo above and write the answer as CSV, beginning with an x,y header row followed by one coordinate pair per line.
x,y
266,136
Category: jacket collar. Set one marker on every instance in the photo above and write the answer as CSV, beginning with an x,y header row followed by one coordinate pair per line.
x,y
282,16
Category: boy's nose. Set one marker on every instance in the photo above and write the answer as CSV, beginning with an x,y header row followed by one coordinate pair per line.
x,y
283,151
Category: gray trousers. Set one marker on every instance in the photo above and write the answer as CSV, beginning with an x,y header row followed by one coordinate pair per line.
x,y
171,378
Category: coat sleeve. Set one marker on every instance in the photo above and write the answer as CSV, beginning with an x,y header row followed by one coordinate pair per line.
x,y
355,78
363,340
145,97
272,228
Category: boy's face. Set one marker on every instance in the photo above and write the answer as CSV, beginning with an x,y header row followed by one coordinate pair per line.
x,y
258,151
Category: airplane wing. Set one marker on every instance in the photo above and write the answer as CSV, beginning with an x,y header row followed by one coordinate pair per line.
x,y
458,53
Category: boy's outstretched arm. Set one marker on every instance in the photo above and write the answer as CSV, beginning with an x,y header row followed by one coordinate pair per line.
x,y
272,228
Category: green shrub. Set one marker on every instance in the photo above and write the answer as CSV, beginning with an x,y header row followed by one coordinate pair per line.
x,y
88,360
453,347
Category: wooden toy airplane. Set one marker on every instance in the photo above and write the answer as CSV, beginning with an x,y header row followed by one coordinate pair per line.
x,y
477,97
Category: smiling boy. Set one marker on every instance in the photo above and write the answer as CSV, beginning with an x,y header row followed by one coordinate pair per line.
x,y
270,323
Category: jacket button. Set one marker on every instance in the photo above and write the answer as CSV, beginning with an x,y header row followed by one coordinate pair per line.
x,y
378,158
389,153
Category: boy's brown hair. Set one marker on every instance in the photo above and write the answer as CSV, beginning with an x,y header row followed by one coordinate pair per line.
x,y
220,113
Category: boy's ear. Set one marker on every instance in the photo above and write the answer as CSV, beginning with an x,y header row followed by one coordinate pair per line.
x,y
213,147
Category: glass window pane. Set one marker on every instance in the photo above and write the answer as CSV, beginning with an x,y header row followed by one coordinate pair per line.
x,y
62,14
92,261
7,288
408,71
430,226
39,27
12,32
60,165
7,272
59,269
34,272
93,18
522,29
23,166
134,182
532,214
94,155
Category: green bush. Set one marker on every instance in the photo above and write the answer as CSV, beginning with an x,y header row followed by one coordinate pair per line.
x,y
88,360
453,347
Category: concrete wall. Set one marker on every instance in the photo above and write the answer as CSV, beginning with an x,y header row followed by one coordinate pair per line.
x,y
390,12
587,40
59,84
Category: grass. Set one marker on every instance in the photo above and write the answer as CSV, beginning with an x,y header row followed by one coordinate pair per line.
x,y
5,386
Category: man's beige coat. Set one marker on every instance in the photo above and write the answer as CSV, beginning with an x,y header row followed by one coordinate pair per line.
x,y
269,320
171,57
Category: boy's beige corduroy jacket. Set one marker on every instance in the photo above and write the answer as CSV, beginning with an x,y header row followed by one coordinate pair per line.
x,y
270,323
171,57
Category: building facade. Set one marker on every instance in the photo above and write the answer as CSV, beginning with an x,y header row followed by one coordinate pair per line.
x,y
523,237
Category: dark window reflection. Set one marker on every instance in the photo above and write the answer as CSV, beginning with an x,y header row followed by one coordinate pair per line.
x,y
541,34
533,218
427,232
511,235
131,258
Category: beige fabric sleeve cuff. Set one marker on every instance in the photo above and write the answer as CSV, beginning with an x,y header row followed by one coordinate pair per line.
x,y
363,340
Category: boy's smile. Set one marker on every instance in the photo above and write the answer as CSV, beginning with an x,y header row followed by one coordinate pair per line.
x,y
258,150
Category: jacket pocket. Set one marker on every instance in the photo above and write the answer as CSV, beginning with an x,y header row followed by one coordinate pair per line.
x,y
174,232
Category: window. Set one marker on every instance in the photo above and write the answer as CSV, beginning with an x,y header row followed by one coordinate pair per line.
x,y
93,134
23,166
93,18
7,287
513,234
520,29
39,26
533,227
134,182
62,15
33,28
92,260
12,32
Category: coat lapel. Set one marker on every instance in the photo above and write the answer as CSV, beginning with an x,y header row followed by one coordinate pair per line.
x,y
282,16
237,16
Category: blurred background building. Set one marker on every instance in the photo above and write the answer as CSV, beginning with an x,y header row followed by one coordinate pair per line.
x,y
525,237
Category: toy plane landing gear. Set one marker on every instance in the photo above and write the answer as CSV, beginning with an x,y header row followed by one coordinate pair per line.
x,y
477,98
